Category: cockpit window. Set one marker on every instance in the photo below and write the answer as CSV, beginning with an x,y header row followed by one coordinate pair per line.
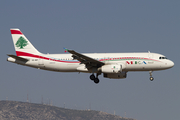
x,y
162,57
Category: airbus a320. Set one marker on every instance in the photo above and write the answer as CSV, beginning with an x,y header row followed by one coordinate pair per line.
x,y
111,65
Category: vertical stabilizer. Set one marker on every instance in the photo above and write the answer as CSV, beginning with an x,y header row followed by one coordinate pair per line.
x,y
21,44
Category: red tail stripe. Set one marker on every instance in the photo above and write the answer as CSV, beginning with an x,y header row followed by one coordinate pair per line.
x,y
16,32
18,53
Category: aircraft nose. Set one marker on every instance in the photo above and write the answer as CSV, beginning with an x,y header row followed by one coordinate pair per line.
x,y
170,64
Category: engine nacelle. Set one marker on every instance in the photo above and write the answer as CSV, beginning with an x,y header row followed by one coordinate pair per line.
x,y
115,75
112,68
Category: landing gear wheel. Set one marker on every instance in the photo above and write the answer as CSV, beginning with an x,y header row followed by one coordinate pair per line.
x,y
92,77
151,78
96,80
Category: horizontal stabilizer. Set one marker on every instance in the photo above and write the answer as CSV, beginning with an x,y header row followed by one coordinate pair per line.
x,y
18,58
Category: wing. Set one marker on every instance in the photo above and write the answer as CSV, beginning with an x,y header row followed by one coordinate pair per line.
x,y
88,61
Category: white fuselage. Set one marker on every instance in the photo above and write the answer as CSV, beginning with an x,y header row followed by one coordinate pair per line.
x,y
65,62
112,65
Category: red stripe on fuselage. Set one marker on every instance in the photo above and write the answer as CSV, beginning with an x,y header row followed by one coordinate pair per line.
x,y
16,32
18,53
152,59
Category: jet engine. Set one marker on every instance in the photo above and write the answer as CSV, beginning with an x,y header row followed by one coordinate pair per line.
x,y
115,75
112,68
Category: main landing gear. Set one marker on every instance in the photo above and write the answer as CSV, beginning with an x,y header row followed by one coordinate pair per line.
x,y
151,78
95,79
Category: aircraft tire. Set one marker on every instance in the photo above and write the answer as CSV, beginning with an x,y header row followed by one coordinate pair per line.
x,y
92,77
96,80
151,78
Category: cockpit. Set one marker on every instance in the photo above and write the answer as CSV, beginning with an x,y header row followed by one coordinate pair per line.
x,y
162,57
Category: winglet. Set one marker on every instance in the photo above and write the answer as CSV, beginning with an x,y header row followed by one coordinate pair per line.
x,y
65,50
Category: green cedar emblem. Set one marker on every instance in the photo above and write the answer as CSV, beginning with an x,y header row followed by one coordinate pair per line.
x,y
21,43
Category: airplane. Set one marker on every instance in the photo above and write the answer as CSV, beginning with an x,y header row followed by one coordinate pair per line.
x,y
111,65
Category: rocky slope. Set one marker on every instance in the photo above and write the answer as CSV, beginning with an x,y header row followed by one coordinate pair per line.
x,y
12,110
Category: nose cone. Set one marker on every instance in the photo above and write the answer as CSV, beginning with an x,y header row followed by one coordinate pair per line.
x,y
170,64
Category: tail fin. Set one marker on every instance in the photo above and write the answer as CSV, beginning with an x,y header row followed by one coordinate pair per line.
x,y
21,44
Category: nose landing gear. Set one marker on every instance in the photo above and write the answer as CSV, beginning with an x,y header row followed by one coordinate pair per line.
x,y
151,78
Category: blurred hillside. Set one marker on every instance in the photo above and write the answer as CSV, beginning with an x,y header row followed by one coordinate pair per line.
x,y
13,110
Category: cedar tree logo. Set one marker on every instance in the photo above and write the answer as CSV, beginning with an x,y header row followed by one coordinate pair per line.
x,y
21,43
